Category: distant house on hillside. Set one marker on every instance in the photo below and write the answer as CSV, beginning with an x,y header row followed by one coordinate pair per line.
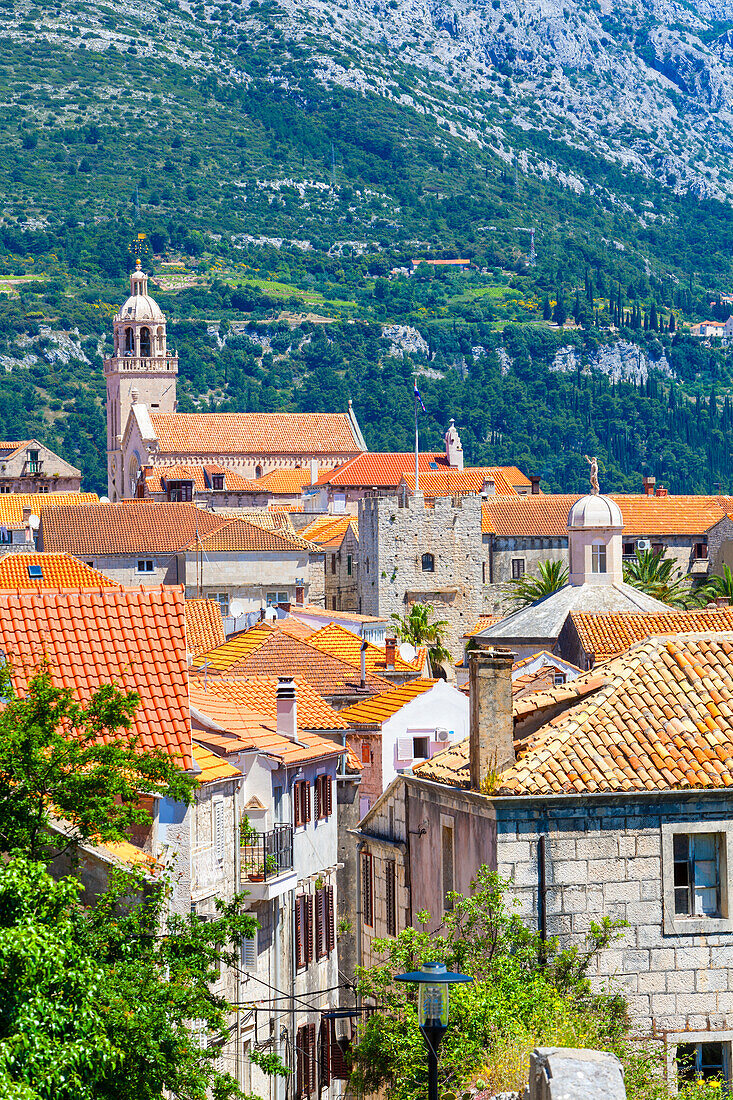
x,y
29,467
449,265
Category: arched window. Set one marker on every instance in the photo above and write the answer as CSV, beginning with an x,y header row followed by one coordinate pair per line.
x,y
129,342
258,471
159,348
428,563
144,341
598,557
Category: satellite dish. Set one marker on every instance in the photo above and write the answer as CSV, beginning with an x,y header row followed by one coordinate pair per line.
x,y
407,652
237,608
34,522
104,500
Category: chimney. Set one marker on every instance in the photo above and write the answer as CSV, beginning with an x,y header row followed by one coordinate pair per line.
x,y
661,492
649,483
314,471
492,724
364,645
390,648
287,709
535,479
722,601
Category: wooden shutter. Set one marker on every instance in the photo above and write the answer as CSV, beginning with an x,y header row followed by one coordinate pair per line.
x,y
308,900
310,1059
249,952
297,808
339,1060
324,1060
366,888
330,920
390,898
300,933
320,923
328,791
319,797
300,1061
219,829
307,802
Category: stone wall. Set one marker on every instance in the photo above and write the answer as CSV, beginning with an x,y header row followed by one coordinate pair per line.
x,y
393,540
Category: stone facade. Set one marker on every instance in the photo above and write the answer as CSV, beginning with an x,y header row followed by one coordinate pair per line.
x,y
33,468
342,574
424,552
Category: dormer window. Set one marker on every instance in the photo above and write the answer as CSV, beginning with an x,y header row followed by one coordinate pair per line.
x,y
217,481
180,491
598,558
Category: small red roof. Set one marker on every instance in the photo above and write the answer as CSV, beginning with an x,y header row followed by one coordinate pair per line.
x,y
380,470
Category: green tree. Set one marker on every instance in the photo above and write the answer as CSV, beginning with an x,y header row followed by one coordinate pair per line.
x,y
560,312
83,764
419,628
653,573
97,1004
550,577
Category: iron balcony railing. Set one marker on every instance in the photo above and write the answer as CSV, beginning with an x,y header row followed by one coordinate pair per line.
x,y
267,855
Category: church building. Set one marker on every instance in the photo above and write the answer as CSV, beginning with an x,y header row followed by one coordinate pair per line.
x,y
144,428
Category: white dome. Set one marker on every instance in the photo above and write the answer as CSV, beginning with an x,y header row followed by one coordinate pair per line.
x,y
140,307
594,511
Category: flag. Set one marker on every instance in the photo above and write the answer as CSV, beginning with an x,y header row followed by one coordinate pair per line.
x,y
419,398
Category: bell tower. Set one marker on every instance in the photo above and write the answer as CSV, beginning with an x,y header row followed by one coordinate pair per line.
x,y
141,371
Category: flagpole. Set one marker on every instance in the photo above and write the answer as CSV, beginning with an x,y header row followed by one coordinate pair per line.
x,y
417,462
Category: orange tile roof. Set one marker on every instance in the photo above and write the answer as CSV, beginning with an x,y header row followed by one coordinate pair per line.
x,y
379,470
14,445
204,626
132,636
212,766
329,531
12,505
58,571
469,480
381,707
546,515
130,527
255,433
483,623
332,616
273,518
257,694
157,476
286,482
606,636
340,642
248,731
245,537
282,655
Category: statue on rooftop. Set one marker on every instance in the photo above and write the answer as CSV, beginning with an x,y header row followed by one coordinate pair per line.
x,y
594,487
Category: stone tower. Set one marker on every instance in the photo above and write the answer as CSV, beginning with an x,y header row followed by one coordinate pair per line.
x,y
453,447
141,371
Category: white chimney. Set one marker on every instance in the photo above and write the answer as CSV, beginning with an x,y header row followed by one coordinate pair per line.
x,y
287,709
314,471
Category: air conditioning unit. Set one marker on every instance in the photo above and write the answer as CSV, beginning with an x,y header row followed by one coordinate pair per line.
x,y
441,735
643,544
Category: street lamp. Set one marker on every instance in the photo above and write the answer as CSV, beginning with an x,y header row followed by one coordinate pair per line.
x,y
433,1011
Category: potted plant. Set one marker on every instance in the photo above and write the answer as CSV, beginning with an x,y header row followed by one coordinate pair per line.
x,y
271,867
249,840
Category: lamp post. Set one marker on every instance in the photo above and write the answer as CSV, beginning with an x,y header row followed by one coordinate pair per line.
x,y
433,1011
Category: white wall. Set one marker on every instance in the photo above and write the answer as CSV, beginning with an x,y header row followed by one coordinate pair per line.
x,y
442,707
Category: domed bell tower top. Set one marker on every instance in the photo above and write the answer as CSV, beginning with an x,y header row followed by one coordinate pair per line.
x,y
595,537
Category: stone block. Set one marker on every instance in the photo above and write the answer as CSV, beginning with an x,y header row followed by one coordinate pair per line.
x,y
681,981
627,845
654,981
712,981
648,935
559,925
628,890
562,1073
638,1006
649,868
513,851
695,958
606,870
525,874
664,1004
725,1001
611,962
562,848
635,960
570,872
721,956
644,912
662,958
648,844
597,847
700,1003
651,889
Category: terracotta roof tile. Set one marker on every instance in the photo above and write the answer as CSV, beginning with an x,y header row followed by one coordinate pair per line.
x,y
381,707
329,531
280,654
286,481
204,626
241,535
132,636
156,478
469,480
546,515
257,694
255,433
379,470
273,518
12,505
57,571
483,623
130,527
340,642
212,766
607,636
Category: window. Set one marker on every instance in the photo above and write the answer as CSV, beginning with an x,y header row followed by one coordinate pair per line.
x,y
364,805
483,572
271,599
428,563
518,566
559,678
5,489
222,598
367,896
217,809
333,563
33,463
446,853
258,471
390,890
700,550
145,566
180,491
697,866
420,748
324,797
144,341
305,1059
217,481
283,597
324,1060
706,1061
696,875
301,802
249,952
303,931
629,549
349,565
325,923
277,798
598,558
366,753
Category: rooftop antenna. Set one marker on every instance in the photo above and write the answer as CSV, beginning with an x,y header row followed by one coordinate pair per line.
x,y
532,261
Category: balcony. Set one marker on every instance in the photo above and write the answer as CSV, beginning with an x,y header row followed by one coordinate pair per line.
x,y
267,863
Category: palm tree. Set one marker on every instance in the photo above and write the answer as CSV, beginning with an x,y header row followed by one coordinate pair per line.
x,y
720,586
528,589
659,577
420,629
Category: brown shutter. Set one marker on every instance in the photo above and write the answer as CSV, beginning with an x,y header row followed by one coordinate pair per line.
x,y
330,922
390,898
311,1077
319,923
308,928
329,795
319,799
297,810
366,888
300,1061
307,802
339,1061
325,1054
299,930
